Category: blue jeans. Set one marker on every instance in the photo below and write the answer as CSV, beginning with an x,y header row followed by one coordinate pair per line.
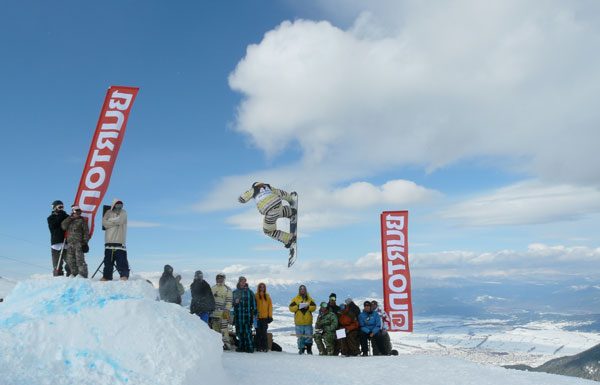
x,y
304,333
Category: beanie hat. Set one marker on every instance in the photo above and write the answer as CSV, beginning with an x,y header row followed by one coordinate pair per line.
x,y
74,207
324,305
168,269
332,296
348,301
198,275
57,203
221,275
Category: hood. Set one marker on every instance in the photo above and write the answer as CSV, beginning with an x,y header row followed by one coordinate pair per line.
x,y
114,202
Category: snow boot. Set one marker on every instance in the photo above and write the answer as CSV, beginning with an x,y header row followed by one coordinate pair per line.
x,y
301,351
309,349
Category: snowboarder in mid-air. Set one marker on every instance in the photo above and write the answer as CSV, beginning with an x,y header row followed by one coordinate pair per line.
x,y
268,201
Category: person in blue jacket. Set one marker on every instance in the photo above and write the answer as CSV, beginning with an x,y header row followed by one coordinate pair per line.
x,y
370,329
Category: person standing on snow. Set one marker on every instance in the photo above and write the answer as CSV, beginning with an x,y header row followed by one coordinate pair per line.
x,y
115,223
325,328
223,303
203,301
167,286
268,201
57,238
78,235
244,308
302,306
265,317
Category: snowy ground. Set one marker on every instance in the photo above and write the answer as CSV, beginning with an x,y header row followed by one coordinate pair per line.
x,y
73,331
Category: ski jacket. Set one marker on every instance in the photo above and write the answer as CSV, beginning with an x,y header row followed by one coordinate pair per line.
x,y
57,234
167,289
203,299
384,318
244,306
333,308
327,322
264,306
115,224
354,309
369,322
77,230
223,300
303,317
265,196
348,320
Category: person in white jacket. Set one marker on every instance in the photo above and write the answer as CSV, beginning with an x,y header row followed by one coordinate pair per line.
x,y
115,223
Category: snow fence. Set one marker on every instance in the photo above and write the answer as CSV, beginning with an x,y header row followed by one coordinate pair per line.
x,y
77,331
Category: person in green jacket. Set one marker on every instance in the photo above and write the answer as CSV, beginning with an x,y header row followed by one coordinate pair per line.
x,y
325,328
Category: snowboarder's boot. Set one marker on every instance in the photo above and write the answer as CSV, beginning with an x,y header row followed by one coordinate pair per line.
x,y
291,242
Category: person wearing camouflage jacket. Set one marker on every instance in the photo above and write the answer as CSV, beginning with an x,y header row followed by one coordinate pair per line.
x,y
269,203
244,308
220,316
325,328
78,235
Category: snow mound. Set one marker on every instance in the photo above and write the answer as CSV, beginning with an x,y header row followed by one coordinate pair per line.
x,y
76,331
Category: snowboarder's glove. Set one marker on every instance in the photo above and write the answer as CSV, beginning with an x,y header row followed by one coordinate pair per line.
x,y
226,314
269,320
241,200
85,248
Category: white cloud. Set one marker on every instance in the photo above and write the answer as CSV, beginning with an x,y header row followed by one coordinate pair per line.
x,y
527,203
431,84
537,261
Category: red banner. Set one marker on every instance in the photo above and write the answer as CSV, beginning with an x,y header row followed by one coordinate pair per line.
x,y
396,274
103,150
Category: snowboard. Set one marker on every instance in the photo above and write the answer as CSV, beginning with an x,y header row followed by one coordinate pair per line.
x,y
293,230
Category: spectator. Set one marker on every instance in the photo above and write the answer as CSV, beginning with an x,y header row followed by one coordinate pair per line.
x,y
352,307
244,308
203,300
223,303
385,336
115,223
325,328
350,345
57,239
370,327
335,309
78,235
264,306
302,306
167,286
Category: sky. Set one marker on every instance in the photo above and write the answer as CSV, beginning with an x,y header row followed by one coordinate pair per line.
x,y
479,118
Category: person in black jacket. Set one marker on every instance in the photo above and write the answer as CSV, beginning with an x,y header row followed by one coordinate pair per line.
x,y
57,238
167,286
203,301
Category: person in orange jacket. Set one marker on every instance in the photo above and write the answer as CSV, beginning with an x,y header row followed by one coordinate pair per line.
x,y
264,306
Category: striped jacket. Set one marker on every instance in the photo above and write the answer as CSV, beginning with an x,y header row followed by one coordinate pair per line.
x,y
223,299
266,197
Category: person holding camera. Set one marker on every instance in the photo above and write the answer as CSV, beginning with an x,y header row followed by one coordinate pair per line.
x,y
114,222
57,238
78,235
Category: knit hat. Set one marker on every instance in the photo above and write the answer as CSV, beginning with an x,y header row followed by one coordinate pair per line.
x,y
324,305
220,275
74,207
242,278
348,301
57,203
168,269
198,275
332,296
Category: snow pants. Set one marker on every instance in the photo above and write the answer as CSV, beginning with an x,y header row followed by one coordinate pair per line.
x,y
58,270
350,345
375,340
243,331
220,325
76,260
325,343
261,334
110,257
270,223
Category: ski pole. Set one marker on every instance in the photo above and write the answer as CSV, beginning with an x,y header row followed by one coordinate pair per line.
x,y
60,256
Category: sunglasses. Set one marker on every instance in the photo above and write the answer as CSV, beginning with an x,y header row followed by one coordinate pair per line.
x,y
60,207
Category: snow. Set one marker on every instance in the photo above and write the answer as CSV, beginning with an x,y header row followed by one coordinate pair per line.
x,y
77,331
63,331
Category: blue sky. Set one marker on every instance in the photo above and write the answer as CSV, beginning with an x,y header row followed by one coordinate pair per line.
x,y
481,119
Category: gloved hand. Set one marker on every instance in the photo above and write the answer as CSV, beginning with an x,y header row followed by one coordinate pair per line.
x,y
225,314
240,199
269,320
85,248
